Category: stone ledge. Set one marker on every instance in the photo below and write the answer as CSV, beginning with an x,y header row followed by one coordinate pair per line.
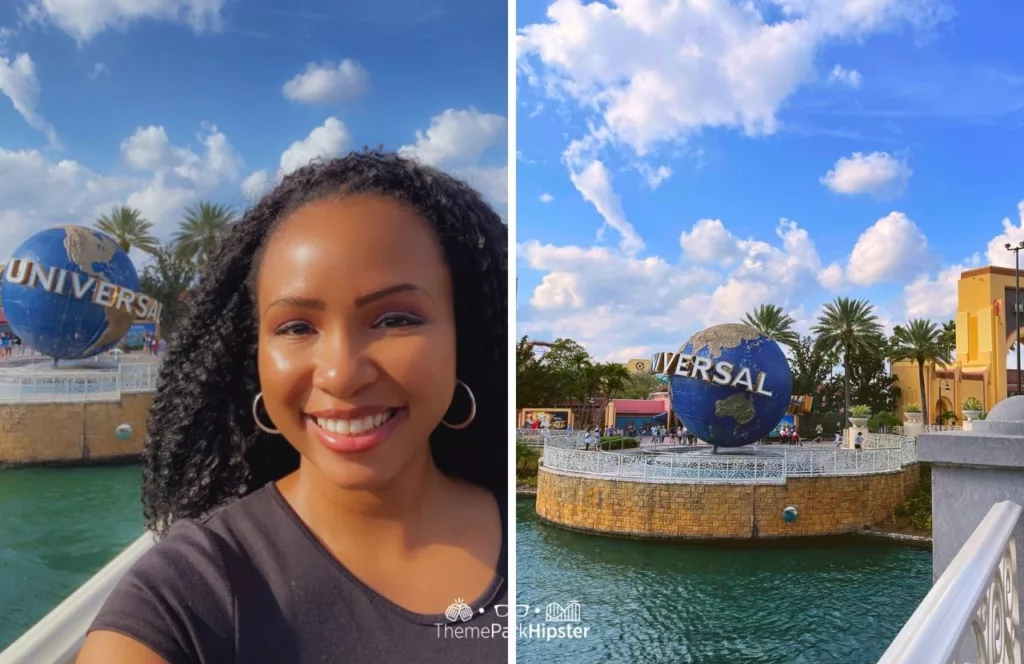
x,y
971,448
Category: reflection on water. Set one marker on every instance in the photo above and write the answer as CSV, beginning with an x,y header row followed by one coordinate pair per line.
x,y
58,526
840,601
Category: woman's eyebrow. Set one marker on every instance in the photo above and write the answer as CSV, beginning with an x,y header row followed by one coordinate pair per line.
x,y
382,293
300,302
360,301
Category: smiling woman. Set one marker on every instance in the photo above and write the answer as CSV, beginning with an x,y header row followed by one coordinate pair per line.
x,y
327,462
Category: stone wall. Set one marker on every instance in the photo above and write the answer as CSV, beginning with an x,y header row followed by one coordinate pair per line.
x,y
825,505
72,432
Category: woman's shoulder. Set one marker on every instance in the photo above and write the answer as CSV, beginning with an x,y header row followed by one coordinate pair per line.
x,y
178,598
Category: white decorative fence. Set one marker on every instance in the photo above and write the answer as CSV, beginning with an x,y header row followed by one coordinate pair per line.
x,y
79,385
889,453
972,613
556,438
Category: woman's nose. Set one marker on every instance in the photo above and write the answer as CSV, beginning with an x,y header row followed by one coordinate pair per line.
x,y
343,366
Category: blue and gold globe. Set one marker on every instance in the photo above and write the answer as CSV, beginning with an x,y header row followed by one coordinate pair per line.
x,y
55,310
735,389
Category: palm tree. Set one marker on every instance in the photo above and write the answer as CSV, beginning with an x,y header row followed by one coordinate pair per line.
x,y
204,226
850,325
921,341
947,337
771,321
129,229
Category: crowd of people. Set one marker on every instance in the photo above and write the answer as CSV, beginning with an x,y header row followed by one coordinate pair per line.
x,y
10,345
655,435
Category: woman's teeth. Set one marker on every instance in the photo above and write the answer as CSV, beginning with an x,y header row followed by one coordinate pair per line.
x,y
354,427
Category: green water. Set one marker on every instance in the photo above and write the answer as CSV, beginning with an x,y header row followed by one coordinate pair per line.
x,y
59,526
841,601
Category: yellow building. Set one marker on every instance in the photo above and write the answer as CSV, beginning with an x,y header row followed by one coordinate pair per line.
x,y
985,323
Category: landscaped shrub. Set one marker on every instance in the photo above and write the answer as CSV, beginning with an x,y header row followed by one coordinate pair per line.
x,y
526,464
916,511
618,443
970,403
883,419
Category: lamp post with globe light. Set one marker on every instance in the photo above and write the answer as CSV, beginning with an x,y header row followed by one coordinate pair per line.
x,y
1016,304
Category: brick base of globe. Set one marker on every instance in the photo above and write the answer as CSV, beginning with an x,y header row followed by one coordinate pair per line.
x,y
833,505
72,433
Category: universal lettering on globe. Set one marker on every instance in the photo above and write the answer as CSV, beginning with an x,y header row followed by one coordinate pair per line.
x,y
71,292
61,281
729,384
706,369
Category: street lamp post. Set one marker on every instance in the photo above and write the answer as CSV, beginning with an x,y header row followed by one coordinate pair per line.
x,y
1016,305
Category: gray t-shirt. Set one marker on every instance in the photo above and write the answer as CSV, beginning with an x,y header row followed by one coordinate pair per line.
x,y
251,584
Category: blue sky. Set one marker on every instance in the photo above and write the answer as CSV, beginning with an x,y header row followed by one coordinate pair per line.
x,y
886,134
159,103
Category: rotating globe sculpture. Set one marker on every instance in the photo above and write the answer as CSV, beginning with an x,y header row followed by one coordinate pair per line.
x,y
730,385
71,292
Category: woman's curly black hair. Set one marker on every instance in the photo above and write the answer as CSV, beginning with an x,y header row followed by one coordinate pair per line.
x,y
203,449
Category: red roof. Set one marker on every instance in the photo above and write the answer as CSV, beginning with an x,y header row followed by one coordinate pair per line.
x,y
640,406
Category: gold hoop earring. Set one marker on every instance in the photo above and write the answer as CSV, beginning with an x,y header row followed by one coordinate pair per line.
x,y
472,409
256,417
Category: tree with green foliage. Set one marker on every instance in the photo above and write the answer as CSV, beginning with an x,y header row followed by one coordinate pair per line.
x,y
849,326
537,385
771,321
129,229
948,339
566,372
812,366
202,230
921,342
640,386
168,279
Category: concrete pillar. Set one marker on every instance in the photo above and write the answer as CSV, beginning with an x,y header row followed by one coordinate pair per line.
x,y
858,425
971,471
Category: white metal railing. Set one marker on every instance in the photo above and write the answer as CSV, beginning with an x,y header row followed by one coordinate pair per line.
x,y
972,613
556,438
667,468
77,386
57,638
731,468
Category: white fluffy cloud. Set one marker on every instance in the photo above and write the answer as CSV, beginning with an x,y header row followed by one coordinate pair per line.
x,y
457,141
936,298
458,138
1012,234
19,83
546,198
39,192
709,242
832,278
878,173
681,66
892,249
257,184
84,19
609,299
330,139
150,149
844,76
615,303
328,82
